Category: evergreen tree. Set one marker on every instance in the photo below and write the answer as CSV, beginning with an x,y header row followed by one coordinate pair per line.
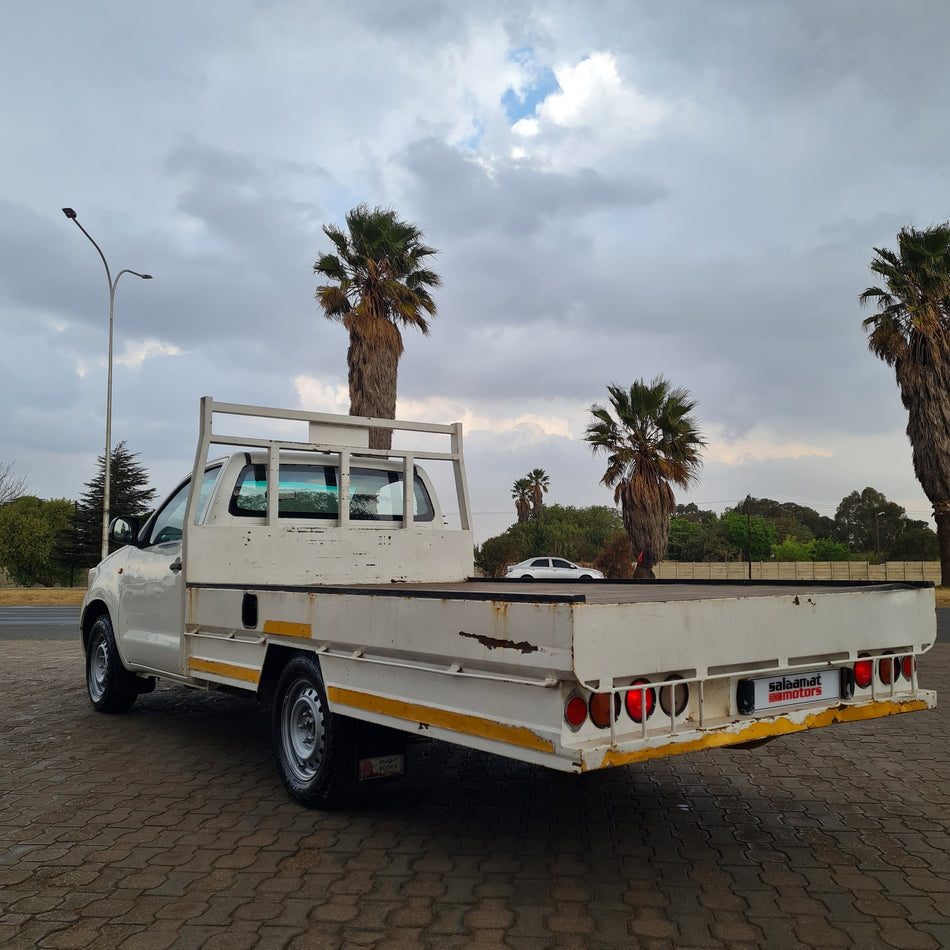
x,y
129,496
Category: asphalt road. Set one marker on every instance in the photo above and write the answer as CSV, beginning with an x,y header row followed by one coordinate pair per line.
x,y
39,623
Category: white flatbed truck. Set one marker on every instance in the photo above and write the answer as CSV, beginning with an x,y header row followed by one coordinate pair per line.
x,y
345,602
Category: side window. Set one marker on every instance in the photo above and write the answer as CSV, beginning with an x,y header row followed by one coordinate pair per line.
x,y
557,562
540,562
250,492
170,520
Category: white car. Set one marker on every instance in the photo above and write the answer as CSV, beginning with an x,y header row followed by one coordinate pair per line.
x,y
553,567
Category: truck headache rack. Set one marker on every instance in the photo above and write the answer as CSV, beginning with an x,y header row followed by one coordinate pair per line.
x,y
329,434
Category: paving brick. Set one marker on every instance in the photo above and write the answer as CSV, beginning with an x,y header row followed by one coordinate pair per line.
x,y
180,837
818,932
489,914
900,934
643,927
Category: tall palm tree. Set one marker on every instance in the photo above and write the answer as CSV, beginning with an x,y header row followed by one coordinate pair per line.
x,y
521,492
651,441
911,332
379,283
539,480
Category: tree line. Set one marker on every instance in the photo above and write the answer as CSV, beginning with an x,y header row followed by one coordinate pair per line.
x,y
50,542
865,527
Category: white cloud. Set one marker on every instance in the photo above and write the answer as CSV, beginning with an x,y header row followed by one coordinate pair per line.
x,y
135,352
593,99
524,428
759,445
316,395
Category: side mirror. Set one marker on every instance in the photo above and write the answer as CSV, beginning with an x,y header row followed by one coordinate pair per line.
x,y
124,530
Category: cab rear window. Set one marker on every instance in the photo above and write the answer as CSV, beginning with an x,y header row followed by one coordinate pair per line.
x,y
311,491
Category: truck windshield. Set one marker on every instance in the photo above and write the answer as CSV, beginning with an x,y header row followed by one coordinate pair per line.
x,y
311,491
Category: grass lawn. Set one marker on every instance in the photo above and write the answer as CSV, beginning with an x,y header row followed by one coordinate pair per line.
x,y
41,596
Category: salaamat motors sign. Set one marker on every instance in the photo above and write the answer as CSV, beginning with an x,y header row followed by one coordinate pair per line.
x,y
794,689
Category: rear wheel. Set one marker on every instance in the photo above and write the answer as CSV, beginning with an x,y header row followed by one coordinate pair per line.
x,y
315,749
111,687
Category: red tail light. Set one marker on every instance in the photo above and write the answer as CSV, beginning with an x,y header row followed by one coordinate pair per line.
x,y
863,672
600,708
575,711
640,702
885,670
676,696
908,665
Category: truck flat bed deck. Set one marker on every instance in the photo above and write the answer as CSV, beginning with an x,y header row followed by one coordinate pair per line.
x,y
613,592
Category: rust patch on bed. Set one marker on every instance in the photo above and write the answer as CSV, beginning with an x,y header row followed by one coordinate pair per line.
x,y
493,643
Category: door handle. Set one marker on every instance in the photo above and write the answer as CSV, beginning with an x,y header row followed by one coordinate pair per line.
x,y
175,565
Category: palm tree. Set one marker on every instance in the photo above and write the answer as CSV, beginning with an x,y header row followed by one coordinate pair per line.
x,y
521,492
379,283
651,441
911,332
539,480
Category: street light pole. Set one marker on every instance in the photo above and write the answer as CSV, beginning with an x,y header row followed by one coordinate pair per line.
x,y
108,466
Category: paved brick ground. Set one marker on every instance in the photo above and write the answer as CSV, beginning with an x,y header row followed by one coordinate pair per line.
x,y
169,828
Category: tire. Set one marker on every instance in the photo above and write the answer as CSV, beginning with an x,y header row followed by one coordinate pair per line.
x,y
111,687
527,577
316,750
585,577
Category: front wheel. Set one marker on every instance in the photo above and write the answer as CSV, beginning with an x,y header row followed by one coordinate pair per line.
x,y
315,749
111,687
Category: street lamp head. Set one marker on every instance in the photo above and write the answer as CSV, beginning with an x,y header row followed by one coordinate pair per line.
x,y
146,276
69,213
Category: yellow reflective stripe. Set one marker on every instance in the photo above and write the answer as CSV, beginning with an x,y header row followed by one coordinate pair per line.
x,y
762,730
224,669
284,628
456,722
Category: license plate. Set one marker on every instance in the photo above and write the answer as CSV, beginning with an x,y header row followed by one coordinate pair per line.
x,y
382,766
793,689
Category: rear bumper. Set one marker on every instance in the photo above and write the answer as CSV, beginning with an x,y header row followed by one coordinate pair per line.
x,y
744,730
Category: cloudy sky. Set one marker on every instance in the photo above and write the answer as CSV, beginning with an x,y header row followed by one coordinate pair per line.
x,y
617,190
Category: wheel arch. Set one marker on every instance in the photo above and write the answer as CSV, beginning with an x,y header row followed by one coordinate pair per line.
x,y
91,613
276,658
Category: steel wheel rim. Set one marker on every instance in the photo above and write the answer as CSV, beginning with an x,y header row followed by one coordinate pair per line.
x,y
98,668
302,730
